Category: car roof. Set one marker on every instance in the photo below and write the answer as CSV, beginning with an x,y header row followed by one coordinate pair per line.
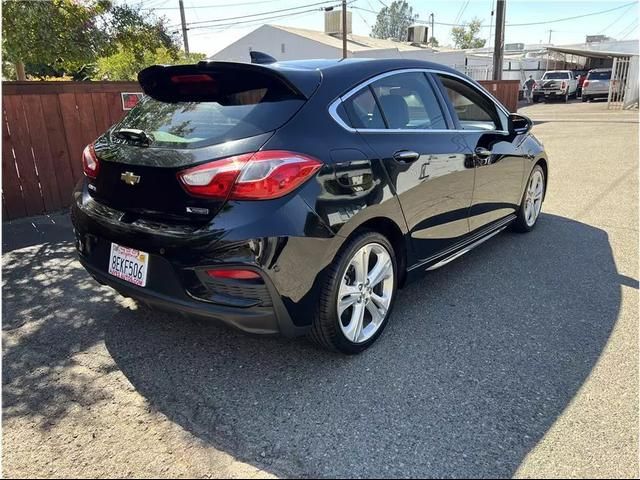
x,y
340,74
349,65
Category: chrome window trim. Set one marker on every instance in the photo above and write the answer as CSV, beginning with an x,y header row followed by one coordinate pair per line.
x,y
333,107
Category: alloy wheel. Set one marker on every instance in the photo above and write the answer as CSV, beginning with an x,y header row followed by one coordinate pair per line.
x,y
533,198
365,292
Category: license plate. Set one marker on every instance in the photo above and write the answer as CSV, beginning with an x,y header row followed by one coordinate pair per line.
x,y
129,264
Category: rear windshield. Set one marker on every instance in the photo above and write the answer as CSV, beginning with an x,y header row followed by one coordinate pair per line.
x,y
197,124
599,75
556,76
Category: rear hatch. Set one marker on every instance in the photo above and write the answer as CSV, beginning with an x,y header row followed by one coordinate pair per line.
x,y
192,114
598,82
553,81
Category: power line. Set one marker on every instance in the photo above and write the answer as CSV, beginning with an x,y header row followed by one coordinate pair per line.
x,y
364,20
571,18
626,31
463,9
217,29
630,32
262,13
523,24
426,22
616,20
259,20
239,4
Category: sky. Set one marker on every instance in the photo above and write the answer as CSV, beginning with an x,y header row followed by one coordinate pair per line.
x,y
209,37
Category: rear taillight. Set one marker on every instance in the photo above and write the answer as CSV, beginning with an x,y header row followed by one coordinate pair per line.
x,y
564,85
585,84
90,162
253,176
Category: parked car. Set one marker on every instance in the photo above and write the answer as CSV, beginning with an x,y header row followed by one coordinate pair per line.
x,y
596,85
556,84
297,197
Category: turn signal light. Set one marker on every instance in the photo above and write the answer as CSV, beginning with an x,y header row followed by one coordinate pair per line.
x,y
235,274
262,175
90,162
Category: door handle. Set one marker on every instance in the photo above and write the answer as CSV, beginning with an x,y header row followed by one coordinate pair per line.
x,y
482,152
406,156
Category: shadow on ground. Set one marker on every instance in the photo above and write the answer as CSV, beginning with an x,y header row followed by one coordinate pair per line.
x,y
478,361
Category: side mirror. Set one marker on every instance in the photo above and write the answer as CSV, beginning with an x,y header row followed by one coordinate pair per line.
x,y
519,124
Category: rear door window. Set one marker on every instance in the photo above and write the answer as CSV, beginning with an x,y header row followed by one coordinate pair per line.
x,y
556,76
599,75
408,102
234,115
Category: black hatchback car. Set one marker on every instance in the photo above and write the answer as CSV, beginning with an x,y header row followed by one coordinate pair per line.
x,y
296,197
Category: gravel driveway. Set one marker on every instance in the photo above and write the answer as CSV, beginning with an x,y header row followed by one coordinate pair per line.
x,y
519,359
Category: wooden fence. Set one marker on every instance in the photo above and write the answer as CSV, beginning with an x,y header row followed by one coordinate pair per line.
x,y
504,90
45,127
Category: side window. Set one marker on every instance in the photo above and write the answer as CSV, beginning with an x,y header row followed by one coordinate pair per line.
x,y
362,110
474,110
408,102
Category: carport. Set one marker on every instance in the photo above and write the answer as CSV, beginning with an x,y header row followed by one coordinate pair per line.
x,y
624,67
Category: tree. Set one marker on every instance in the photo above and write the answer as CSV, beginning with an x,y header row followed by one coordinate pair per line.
x,y
433,41
465,36
82,39
129,28
393,21
54,33
123,64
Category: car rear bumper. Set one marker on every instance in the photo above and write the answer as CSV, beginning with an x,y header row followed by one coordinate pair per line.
x,y
170,295
278,303
251,320
597,93
550,94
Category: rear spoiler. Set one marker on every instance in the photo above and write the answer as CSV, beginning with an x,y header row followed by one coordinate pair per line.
x,y
208,81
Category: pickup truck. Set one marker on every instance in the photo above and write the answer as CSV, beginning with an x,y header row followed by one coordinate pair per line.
x,y
560,84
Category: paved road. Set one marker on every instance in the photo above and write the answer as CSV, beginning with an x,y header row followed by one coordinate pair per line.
x,y
520,359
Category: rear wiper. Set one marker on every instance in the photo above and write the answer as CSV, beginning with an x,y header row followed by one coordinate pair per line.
x,y
138,136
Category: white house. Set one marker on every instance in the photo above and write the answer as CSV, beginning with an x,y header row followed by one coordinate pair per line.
x,y
289,43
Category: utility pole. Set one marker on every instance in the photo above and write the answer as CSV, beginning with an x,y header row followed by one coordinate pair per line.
x,y
548,53
184,28
433,23
498,46
491,20
344,28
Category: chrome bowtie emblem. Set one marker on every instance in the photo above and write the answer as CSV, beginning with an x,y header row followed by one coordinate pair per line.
x,y
130,178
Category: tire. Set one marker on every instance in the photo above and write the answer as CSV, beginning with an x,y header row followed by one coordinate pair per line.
x,y
566,97
329,330
524,223
585,98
